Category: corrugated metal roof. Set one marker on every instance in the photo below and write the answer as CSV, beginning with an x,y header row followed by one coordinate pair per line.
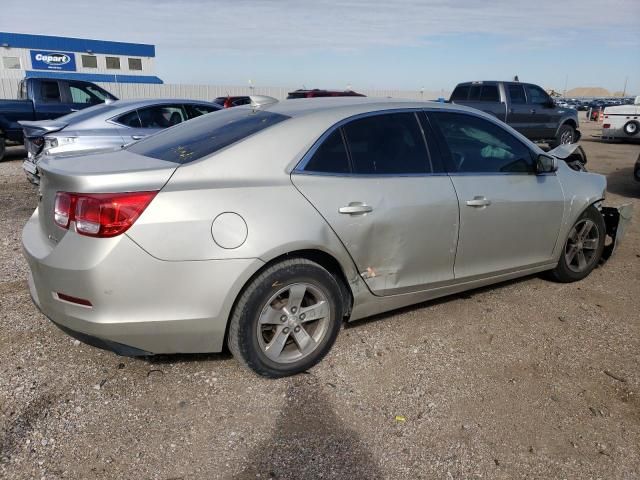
x,y
69,44
94,77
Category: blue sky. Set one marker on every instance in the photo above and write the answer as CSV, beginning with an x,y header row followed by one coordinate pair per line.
x,y
404,44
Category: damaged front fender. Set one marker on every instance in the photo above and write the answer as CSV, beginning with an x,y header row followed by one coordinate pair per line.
x,y
616,220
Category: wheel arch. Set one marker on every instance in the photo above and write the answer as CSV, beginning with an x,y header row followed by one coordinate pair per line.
x,y
325,259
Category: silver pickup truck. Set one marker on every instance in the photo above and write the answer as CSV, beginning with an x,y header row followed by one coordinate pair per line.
x,y
523,106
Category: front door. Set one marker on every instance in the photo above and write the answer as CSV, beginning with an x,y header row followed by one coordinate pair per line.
x,y
545,115
510,217
373,182
520,115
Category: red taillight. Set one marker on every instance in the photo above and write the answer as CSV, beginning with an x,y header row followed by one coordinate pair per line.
x,y
606,125
100,214
62,209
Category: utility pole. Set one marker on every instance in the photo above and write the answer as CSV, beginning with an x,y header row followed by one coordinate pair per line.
x,y
624,90
566,80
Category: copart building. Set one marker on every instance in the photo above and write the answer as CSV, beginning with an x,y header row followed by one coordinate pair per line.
x,y
23,55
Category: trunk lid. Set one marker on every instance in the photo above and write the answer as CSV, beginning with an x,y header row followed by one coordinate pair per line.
x,y
111,172
41,127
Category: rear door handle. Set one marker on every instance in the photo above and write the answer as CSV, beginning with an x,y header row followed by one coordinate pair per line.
x,y
533,110
479,201
355,208
137,137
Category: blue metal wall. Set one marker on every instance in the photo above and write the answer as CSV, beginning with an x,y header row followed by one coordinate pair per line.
x,y
68,44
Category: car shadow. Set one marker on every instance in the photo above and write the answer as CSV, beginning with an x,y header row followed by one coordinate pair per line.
x,y
309,440
621,182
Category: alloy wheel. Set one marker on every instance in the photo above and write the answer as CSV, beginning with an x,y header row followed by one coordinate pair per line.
x,y
582,245
293,323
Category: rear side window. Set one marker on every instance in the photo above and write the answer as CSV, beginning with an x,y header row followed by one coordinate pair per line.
x,y
50,92
516,93
489,93
331,156
460,93
130,119
195,110
161,116
387,144
205,135
476,145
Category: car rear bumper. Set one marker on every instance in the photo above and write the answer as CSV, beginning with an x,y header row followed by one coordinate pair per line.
x,y
139,304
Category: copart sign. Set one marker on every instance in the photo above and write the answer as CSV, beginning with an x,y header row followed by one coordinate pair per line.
x,y
43,60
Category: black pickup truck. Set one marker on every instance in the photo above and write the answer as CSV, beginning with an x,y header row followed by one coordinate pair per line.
x,y
45,99
523,106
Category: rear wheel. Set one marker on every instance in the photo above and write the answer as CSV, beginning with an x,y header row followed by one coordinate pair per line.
x,y
2,148
565,135
582,249
287,319
631,128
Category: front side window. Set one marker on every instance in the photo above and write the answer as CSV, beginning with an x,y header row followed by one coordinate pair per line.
x,y
195,110
113,63
89,61
331,156
161,116
135,64
11,63
205,135
537,95
516,93
476,145
387,144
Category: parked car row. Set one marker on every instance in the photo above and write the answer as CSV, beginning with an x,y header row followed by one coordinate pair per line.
x,y
104,127
265,227
524,106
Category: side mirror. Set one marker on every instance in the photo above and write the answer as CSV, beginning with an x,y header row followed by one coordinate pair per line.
x,y
546,164
550,103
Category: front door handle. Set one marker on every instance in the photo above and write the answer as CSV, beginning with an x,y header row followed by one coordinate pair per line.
x,y
479,201
533,110
355,208
137,137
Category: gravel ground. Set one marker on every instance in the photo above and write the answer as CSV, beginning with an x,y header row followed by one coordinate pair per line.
x,y
527,379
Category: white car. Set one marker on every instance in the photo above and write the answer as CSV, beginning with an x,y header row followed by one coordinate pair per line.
x,y
622,122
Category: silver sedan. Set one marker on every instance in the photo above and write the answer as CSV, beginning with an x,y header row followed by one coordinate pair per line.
x,y
104,127
265,228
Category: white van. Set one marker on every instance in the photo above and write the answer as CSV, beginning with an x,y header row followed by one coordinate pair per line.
x,y
622,122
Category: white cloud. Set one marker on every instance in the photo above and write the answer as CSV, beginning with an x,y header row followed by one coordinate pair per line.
x,y
239,25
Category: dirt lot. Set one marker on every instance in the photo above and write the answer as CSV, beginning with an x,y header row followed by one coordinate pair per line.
x,y
528,379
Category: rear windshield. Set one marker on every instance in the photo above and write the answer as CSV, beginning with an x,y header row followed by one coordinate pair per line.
x,y
205,135
86,113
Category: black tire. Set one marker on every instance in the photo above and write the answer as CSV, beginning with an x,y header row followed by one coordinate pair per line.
x,y
564,132
566,272
2,148
631,128
243,338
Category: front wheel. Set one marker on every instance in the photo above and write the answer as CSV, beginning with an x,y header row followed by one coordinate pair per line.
x,y
582,249
287,319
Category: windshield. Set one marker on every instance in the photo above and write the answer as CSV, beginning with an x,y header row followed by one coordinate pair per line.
x,y
205,135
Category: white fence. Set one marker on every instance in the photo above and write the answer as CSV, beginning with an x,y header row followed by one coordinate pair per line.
x,y
9,90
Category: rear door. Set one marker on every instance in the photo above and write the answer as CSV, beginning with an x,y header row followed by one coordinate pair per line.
x,y
544,116
485,96
509,217
520,115
374,182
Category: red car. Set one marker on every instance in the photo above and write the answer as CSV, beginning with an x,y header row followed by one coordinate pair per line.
x,y
323,93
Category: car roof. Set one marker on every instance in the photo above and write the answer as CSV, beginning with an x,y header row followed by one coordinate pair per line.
x,y
143,102
342,107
